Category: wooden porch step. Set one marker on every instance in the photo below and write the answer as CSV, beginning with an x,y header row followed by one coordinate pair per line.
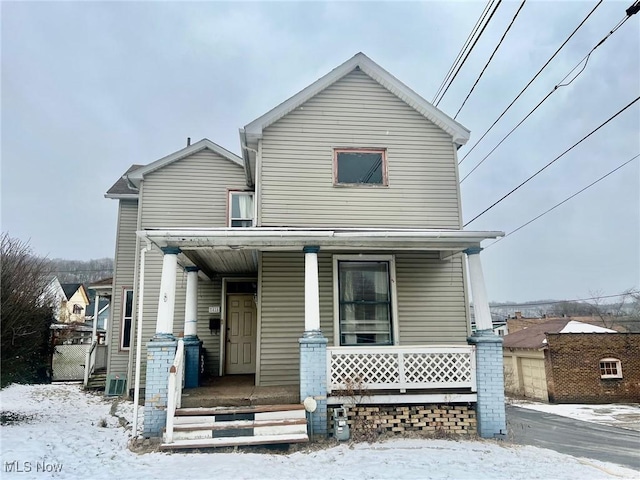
x,y
234,441
204,411
238,424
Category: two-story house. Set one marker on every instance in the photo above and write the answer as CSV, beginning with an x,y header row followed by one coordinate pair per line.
x,y
328,258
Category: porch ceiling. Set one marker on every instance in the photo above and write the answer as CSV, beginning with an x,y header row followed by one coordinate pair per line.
x,y
224,261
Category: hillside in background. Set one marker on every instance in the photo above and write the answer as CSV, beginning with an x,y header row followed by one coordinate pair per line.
x,y
81,271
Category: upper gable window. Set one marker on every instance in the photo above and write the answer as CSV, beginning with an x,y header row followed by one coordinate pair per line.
x,y
360,166
241,209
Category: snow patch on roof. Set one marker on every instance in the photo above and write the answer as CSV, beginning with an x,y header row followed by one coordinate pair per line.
x,y
579,327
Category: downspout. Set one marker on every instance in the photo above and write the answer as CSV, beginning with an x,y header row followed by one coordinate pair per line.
x,y
245,156
136,388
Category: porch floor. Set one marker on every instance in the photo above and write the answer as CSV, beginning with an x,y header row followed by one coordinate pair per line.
x,y
237,391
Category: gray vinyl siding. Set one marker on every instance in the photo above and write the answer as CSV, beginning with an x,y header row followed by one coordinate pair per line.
x,y
296,171
123,278
431,306
431,299
189,193
282,313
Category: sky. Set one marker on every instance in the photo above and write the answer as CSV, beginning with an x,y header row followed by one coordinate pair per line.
x,y
89,88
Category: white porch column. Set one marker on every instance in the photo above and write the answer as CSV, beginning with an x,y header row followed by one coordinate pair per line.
x,y
191,304
478,290
96,310
167,300
311,290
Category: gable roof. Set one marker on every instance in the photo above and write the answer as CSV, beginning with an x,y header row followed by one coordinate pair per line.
x,y
136,176
71,288
122,188
535,335
460,134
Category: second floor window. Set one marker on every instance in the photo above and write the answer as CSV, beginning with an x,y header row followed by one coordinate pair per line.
x,y
241,209
77,309
360,167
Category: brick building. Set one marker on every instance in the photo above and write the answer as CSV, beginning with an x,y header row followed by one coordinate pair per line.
x,y
593,367
565,361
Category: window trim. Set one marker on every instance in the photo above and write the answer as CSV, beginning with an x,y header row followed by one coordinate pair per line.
x,y
615,361
385,166
230,193
123,310
395,331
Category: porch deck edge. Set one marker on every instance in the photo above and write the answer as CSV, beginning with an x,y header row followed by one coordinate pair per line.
x,y
414,399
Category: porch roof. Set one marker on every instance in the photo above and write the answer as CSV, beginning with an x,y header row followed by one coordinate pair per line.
x,y
227,250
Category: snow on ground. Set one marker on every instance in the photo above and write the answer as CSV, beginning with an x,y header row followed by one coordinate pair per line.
x,y
617,415
72,434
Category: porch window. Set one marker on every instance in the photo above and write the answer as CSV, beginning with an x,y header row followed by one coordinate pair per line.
x,y
364,302
241,209
127,316
360,167
610,368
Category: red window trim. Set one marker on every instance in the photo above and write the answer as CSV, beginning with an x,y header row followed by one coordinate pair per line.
x,y
385,166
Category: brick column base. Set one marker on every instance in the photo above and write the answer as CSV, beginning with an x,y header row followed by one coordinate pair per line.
x,y
192,362
160,355
313,377
490,379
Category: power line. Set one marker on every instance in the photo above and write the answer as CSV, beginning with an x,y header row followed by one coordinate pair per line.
x,y
468,52
554,302
564,201
490,58
584,60
553,161
532,80
464,47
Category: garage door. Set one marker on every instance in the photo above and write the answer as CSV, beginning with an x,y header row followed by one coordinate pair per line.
x,y
534,379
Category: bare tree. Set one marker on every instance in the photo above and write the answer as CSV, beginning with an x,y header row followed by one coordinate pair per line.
x,y
617,313
27,314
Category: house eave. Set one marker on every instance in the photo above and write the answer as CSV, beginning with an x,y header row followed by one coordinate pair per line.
x,y
459,133
294,239
137,176
122,196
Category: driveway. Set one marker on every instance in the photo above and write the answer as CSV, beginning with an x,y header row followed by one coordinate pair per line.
x,y
574,437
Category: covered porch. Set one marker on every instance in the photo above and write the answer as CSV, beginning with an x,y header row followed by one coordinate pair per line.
x,y
325,369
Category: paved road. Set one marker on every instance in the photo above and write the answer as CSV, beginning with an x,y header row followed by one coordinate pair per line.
x,y
574,437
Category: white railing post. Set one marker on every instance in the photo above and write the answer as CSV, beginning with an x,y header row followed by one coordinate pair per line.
x,y
88,364
174,389
401,378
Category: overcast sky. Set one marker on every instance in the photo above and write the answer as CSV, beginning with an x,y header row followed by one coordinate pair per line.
x,y
90,88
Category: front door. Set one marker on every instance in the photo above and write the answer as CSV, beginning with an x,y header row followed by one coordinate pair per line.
x,y
241,335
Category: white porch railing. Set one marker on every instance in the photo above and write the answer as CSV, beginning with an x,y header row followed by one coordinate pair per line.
x,y
89,362
401,368
174,393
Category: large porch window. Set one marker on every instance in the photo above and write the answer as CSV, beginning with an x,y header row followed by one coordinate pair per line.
x,y
364,301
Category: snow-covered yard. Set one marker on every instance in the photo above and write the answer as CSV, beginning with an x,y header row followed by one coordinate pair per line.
x,y
70,434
